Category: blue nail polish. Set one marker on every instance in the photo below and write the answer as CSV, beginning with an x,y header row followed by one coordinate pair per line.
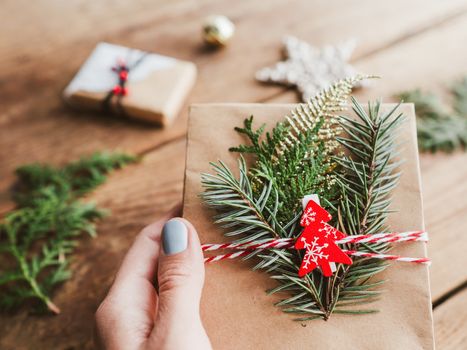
x,y
174,237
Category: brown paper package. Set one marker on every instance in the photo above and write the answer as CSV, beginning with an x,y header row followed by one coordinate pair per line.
x,y
235,309
157,99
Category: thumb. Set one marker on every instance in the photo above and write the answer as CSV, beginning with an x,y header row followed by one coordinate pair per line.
x,y
180,273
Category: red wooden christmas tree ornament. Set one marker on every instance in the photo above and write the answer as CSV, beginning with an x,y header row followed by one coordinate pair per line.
x,y
318,239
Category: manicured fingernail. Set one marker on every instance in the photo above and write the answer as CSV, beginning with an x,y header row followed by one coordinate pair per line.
x,y
174,237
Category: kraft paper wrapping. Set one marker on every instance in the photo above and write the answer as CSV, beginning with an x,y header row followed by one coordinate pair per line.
x,y
235,309
158,85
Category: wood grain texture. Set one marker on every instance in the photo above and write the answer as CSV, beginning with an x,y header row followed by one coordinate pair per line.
x,y
445,202
411,43
38,71
450,321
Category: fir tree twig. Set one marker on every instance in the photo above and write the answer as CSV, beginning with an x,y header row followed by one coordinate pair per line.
x,y
366,180
37,238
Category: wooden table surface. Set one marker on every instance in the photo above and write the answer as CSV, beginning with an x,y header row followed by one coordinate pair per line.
x,y
416,43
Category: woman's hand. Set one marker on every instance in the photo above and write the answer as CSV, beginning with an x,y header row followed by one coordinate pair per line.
x,y
134,314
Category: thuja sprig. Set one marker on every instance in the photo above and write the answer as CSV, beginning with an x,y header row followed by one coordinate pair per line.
x,y
37,238
293,173
297,154
439,127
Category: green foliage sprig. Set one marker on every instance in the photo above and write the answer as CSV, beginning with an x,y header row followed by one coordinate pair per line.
x,y
37,238
366,179
297,155
281,171
264,202
440,128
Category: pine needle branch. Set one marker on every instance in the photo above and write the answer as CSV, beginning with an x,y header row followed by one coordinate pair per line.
x,y
250,217
367,178
240,210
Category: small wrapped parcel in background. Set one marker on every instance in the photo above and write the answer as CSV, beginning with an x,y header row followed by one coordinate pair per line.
x,y
133,83
236,311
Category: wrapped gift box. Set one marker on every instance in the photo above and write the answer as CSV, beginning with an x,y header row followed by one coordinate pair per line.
x,y
236,311
157,86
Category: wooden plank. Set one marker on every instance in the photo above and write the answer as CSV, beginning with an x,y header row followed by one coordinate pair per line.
x,y
430,60
312,21
137,195
153,22
450,320
445,202
37,72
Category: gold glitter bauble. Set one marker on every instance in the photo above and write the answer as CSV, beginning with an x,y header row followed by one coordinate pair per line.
x,y
217,30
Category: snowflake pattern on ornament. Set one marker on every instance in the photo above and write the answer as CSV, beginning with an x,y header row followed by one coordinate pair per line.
x,y
309,216
313,252
330,232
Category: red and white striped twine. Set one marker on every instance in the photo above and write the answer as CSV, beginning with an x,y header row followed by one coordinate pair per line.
x,y
246,248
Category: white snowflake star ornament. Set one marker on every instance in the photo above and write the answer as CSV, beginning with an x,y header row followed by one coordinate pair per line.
x,y
309,68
